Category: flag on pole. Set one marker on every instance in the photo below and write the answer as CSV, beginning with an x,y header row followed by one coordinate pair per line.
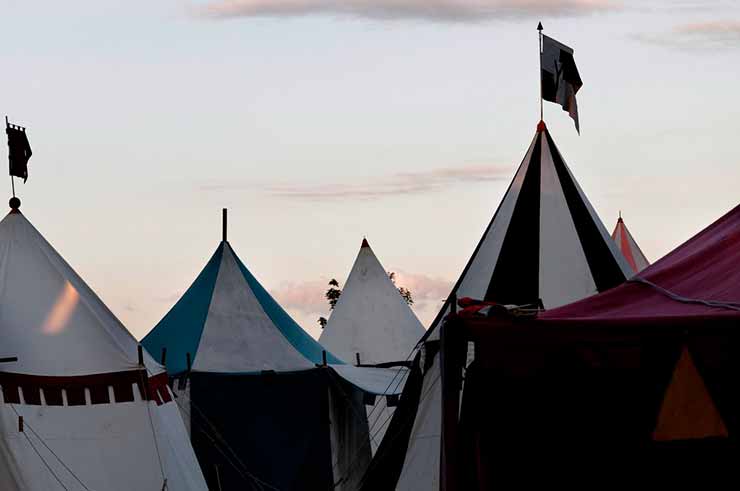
x,y
19,150
560,78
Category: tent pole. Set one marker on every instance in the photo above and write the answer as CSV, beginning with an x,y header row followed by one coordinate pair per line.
x,y
224,219
12,181
539,50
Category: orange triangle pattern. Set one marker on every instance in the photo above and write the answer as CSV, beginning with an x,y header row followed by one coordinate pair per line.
x,y
688,411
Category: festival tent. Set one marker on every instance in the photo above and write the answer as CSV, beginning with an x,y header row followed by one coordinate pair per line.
x,y
83,407
647,371
628,247
267,405
372,324
544,247
371,319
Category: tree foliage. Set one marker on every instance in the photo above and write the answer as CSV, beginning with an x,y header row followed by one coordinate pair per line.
x,y
333,293
405,292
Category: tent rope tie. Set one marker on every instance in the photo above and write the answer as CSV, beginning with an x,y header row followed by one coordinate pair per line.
x,y
51,471
213,439
145,388
372,434
216,438
58,479
390,384
349,400
408,421
682,299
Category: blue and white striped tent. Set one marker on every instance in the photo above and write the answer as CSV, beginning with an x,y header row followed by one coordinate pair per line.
x,y
257,390
226,322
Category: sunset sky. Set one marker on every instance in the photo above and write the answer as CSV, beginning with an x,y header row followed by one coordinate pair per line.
x,y
318,122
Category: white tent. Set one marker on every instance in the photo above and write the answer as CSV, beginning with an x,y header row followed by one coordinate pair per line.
x,y
82,407
544,246
628,247
371,318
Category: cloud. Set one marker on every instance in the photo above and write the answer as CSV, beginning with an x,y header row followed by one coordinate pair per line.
x,y
429,10
428,293
400,184
698,35
306,297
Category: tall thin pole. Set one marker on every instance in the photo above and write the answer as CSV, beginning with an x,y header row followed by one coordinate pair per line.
x,y
539,52
12,182
224,218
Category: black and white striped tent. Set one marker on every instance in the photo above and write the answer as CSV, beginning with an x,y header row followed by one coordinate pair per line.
x,y
544,246
545,242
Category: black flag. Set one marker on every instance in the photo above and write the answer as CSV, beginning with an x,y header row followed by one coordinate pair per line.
x,y
19,151
560,78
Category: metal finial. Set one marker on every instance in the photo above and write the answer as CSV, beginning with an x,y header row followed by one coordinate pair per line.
x,y
14,203
539,26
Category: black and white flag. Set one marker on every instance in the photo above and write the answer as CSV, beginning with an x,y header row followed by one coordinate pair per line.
x,y
19,150
560,78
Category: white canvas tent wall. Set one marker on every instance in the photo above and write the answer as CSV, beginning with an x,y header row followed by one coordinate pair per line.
x,y
545,244
93,416
372,320
628,247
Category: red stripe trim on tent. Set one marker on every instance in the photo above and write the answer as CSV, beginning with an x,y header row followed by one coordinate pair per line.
x,y
154,389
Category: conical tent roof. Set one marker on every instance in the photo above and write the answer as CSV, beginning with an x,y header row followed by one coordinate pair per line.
x,y
371,318
93,412
227,322
628,247
544,244
545,241
50,318
243,348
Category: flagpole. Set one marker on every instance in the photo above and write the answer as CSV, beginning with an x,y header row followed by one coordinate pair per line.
x,y
12,182
539,50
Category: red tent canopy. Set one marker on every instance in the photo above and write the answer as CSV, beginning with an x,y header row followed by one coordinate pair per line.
x,y
700,278
648,367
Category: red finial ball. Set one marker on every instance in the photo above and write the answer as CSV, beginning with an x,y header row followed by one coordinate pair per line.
x,y
14,203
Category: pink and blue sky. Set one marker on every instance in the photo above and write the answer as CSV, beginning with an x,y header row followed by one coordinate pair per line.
x,y
318,122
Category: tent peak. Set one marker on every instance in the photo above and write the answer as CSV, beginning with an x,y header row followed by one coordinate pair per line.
x,y
541,126
364,243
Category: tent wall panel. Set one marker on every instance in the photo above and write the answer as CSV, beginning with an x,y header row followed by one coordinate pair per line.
x,y
277,424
